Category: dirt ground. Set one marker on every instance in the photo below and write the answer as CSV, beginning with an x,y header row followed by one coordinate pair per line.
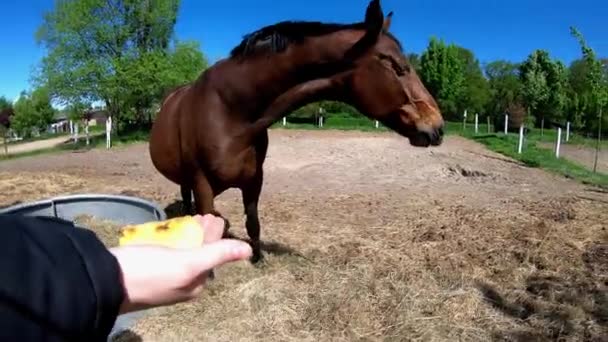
x,y
582,155
369,239
43,144
36,145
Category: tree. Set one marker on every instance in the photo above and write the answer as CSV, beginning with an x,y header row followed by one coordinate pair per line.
x,y
414,60
505,86
578,93
442,73
6,112
147,77
33,111
41,101
597,83
5,103
120,52
544,87
594,82
24,119
476,91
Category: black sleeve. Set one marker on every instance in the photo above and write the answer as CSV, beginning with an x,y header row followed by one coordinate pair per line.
x,y
57,282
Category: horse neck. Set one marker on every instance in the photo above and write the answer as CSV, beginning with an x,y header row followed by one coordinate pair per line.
x,y
315,75
320,57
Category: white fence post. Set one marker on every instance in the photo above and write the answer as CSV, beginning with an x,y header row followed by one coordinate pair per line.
x,y
488,117
476,123
284,121
542,126
568,131
558,142
108,132
520,145
377,124
86,130
320,121
506,123
76,132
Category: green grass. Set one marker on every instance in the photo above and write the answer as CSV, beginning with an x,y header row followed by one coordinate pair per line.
x,y
534,156
336,122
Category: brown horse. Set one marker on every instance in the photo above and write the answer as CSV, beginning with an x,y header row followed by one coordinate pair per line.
x,y
212,135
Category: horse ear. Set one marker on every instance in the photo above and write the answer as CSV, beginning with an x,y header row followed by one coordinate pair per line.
x,y
374,18
387,22
374,21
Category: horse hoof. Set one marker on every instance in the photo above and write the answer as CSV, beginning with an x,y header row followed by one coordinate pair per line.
x,y
258,259
187,210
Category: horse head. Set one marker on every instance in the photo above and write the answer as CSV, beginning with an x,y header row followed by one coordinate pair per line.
x,y
384,86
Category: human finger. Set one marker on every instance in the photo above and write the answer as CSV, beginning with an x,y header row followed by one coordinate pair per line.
x,y
212,226
217,253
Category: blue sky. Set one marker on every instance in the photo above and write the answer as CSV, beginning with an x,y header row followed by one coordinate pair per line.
x,y
492,29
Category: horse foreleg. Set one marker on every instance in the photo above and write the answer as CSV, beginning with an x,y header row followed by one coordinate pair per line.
x,y
186,199
251,195
203,199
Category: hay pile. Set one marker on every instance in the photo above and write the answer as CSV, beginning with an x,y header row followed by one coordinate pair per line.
x,y
450,274
107,231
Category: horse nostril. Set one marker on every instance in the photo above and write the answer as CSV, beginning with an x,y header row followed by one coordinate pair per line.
x,y
437,138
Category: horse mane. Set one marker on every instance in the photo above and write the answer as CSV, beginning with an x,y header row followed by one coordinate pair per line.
x,y
277,37
171,91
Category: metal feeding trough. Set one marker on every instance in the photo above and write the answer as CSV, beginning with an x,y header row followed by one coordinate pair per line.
x,y
120,209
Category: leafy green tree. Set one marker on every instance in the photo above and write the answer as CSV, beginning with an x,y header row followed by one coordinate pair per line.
x,y
442,73
5,103
33,112
24,120
476,92
6,112
578,93
76,110
45,113
505,86
544,87
122,53
556,104
414,60
595,83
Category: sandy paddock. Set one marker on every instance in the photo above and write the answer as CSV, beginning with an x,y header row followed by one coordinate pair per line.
x,y
370,239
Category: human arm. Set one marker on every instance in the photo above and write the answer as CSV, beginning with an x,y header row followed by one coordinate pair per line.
x,y
59,282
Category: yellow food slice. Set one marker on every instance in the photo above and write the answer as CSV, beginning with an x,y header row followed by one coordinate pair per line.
x,y
179,232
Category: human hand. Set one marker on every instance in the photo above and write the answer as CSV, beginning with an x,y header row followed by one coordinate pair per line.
x,y
156,276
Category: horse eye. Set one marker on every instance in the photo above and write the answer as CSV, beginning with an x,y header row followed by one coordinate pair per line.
x,y
395,65
399,70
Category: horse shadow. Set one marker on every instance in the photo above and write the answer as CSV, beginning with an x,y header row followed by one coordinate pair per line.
x,y
175,209
544,310
127,336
